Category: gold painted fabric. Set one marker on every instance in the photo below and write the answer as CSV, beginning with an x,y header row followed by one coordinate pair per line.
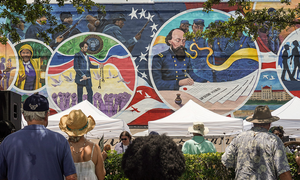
x,y
256,155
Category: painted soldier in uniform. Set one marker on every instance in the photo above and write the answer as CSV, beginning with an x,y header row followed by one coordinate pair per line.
x,y
244,42
171,68
67,20
199,55
114,30
19,28
184,25
36,29
218,46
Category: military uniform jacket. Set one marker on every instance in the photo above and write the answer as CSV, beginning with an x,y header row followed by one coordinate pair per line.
x,y
33,30
167,70
70,34
82,67
115,31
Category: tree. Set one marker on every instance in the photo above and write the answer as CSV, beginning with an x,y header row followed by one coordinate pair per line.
x,y
248,21
13,9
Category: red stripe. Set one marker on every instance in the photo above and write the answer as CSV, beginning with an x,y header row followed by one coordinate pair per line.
x,y
138,96
295,93
221,6
52,111
61,68
125,66
271,65
151,115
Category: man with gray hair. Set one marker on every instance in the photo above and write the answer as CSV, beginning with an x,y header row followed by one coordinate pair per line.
x,y
257,153
35,152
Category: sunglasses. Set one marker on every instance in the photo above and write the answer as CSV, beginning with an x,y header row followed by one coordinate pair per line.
x,y
124,139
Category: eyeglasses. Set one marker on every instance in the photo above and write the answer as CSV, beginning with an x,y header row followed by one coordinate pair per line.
x,y
124,139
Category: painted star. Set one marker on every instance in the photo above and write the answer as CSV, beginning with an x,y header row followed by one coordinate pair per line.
x,y
153,34
137,68
149,17
133,13
133,58
147,48
143,57
142,14
144,75
154,26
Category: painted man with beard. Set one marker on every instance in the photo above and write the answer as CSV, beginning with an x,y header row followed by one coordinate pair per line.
x,y
172,69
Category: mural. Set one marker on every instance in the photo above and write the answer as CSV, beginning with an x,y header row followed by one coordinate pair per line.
x,y
93,67
8,65
134,63
213,75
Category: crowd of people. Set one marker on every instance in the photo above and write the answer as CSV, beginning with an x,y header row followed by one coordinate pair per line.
x,y
36,152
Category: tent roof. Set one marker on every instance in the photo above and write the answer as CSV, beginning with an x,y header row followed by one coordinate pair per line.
x,y
289,115
177,123
111,128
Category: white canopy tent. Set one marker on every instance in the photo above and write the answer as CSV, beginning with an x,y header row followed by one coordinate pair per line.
x,y
177,123
111,128
289,115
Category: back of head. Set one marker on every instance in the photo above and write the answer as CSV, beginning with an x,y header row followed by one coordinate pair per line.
x,y
35,107
153,157
6,128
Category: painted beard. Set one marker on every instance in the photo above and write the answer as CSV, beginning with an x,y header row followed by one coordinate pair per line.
x,y
179,52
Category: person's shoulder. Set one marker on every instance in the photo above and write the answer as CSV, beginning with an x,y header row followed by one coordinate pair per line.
x,y
78,54
56,135
162,54
118,145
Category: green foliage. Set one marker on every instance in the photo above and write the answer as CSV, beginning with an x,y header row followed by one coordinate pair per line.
x,y
293,165
206,166
12,9
249,22
113,166
201,166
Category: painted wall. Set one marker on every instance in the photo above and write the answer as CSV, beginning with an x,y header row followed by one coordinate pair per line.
x,y
135,79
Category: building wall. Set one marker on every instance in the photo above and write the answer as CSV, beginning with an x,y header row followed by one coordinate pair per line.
x,y
131,85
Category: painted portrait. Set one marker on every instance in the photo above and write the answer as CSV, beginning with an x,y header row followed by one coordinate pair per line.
x,y
217,75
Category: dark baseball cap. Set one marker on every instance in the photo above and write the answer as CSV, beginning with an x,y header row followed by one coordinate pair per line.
x,y
36,102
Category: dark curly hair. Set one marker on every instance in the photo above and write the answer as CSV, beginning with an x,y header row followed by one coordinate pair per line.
x,y
153,157
169,36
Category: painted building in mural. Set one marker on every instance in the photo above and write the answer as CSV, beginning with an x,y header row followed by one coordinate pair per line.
x,y
133,62
267,93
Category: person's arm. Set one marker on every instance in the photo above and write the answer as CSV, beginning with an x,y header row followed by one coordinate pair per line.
x,y
77,65
100,170
158,69
71,177
229,157
298,163
285,176
280,160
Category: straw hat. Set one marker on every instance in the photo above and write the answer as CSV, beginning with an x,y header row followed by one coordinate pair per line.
x,y
198,127
76,123
262,114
